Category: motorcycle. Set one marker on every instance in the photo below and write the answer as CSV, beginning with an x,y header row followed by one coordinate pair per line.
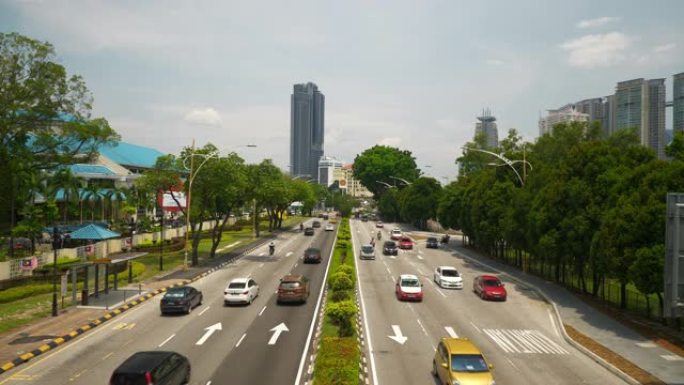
x,y
271,249
379,235
445,238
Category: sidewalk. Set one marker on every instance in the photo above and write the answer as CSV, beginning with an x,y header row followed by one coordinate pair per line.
x,y
639,350
30,337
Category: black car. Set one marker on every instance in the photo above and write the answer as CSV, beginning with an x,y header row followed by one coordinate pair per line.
x,y
432,243
156,367
316,224
309,231
180,299
390,248
312,255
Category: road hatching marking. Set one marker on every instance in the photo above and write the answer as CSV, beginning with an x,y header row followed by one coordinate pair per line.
x,y
524,341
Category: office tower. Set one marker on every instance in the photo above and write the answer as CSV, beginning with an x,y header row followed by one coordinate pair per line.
x,y
641,104
306,130
608,115
567,113
327,170
594,108
487,126
678,102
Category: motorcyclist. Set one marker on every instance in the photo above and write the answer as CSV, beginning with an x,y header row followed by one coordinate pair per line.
x,y
271,248
301,227
379,235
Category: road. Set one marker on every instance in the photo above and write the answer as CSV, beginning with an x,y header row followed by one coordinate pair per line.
x,y
238,353
519,337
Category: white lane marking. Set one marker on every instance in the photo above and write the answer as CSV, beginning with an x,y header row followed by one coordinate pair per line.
x,y
365,321
420,257
393,256
205,309
398,336
672,357
288,254
553,324
422,327
421,271
645,345
388,270
209,331
475,326
296,264
512,364
262,310
277,330
260,266
240,340
437,288
451,332
524,341
208,383
166,340
107,356
302,360
262,254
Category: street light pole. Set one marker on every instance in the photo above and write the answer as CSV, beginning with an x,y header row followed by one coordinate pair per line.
x,y
55,243
506,162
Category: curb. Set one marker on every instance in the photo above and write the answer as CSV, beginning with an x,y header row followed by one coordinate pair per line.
x,y
624,376
23,358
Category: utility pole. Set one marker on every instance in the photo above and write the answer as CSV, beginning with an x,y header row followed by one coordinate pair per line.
x,y
55,244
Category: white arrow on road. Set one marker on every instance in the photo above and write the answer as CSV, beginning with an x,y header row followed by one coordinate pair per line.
x,y
209,331
397,335
276,333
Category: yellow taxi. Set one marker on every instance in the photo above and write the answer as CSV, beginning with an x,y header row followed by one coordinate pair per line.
x,y
459,361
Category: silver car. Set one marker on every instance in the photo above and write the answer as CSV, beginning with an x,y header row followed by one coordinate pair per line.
x,y
367,252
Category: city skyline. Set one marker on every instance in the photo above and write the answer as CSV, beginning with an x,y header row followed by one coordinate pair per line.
x,y
218,73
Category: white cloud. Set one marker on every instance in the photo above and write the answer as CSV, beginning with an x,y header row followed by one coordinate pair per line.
x,y
598,22
664,47
393,141
600,50
206,116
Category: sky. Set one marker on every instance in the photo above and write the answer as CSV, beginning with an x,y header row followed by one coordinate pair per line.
x,y
410,74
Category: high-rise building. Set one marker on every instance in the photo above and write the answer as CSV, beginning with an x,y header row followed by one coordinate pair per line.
x,y
353,185
594,108
640,104
307,121
487,126
608,115
567,113
327,170
678,102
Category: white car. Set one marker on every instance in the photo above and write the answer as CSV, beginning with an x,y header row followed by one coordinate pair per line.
x,y
448,277
395,234
367,252
329,227
240,290
409,288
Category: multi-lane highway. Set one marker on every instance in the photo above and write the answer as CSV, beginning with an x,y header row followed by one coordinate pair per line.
x,y
519,337
262,343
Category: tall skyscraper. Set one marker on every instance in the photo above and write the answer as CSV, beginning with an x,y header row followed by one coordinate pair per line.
x,y
307,120
608,115
640,104
678,102
487,126
594,108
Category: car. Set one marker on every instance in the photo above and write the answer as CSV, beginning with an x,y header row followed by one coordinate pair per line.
x,y
379,224
325,216
316,224
293,288
390,248
240,290
408,288
153,367
180,299
489,287
405,243
367,252
329,227
459,361
448,277
432,243
309,231
395,234
312,255
364,218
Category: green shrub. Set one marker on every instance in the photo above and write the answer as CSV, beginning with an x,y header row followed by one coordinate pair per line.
x,y
340,281
20,292
342,314
62,263
340,295
337,362
347,269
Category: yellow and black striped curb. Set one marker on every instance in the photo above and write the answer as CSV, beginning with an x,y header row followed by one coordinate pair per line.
x,y
95,323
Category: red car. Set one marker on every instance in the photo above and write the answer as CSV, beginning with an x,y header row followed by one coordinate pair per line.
x,y
405,243
489,287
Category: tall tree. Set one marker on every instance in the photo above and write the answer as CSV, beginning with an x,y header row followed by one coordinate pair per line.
x,y
384,163
419,201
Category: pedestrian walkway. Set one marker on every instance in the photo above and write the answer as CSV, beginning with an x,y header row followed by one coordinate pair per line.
x,y
605,330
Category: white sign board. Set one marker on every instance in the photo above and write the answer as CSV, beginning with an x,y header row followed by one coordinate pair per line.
x,y
168,201
63,285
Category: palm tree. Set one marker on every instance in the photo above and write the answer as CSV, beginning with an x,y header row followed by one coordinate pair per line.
x,y
92,195
115,194
64,180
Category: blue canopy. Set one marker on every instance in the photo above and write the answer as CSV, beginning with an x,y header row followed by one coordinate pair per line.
x,y
93,232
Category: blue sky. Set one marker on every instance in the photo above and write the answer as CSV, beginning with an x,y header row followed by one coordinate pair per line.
x,y
412,74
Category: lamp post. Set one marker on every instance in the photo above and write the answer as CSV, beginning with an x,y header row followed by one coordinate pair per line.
x,y
191,178
401,180
55,244
506,162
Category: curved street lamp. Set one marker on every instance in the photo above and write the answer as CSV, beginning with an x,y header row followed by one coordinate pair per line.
x,y
385,184
506,162
191,178
401,180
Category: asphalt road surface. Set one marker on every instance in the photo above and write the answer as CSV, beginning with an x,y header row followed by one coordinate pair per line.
x,y
243,351
519,337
